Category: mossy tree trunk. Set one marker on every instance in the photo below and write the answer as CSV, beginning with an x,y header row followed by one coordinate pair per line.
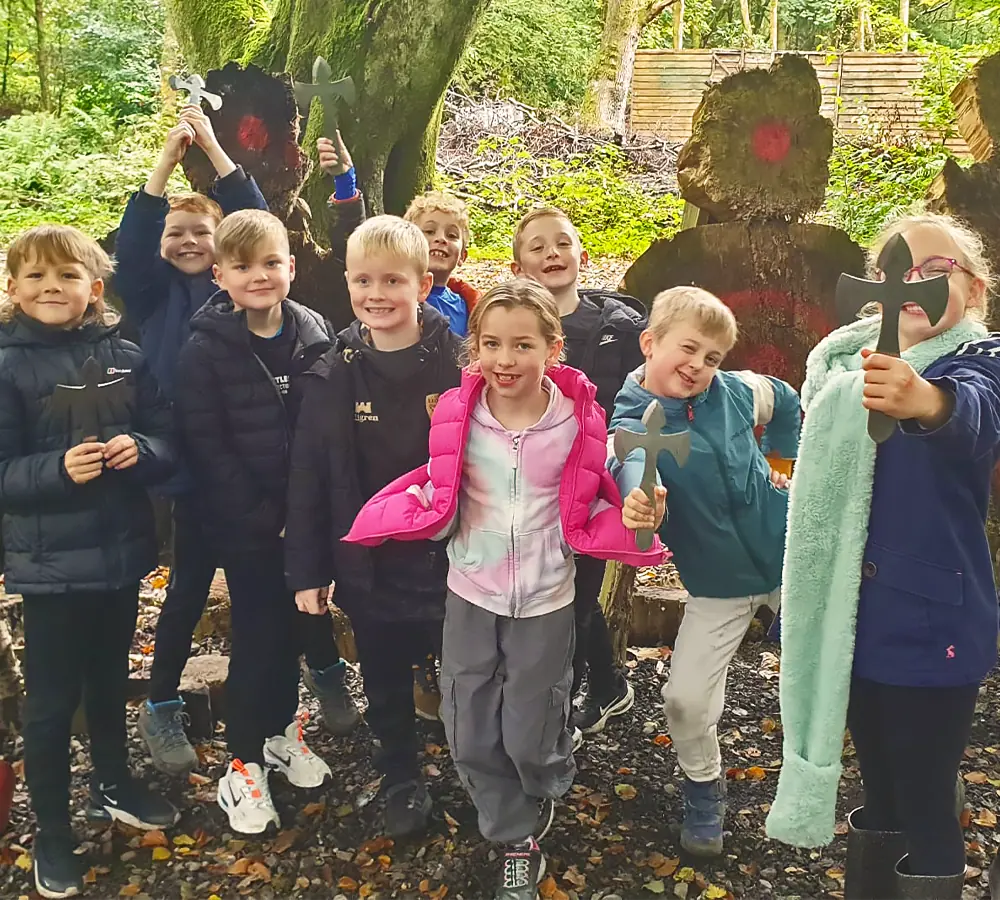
x,y
401,54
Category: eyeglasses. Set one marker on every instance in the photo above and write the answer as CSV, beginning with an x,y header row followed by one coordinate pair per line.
x,y
931,268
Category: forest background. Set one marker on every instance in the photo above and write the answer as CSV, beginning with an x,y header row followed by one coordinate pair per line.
x,y
83,110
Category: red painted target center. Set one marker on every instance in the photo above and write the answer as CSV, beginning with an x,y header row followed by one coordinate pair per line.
x,y
252,134
771,141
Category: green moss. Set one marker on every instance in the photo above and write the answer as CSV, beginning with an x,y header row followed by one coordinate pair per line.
x,y
213,33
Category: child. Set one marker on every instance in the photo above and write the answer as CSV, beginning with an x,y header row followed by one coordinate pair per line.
x,y
444,220
365,421
517,518
237,400
725,525
602,331
894,534
77,528
165,252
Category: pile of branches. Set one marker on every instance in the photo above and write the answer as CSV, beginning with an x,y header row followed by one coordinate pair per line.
x,y
466,152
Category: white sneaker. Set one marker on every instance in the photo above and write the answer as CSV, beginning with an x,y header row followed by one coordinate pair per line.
x,y
288,754
246,799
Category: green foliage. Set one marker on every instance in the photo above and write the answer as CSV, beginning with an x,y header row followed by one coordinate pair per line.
x,y
537,51
613,215
872,182
74,169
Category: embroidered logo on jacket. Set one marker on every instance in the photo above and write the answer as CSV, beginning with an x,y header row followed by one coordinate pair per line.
x,y
431,402
606,339
363,412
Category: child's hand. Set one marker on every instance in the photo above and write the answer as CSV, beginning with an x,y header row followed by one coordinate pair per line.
x,y
313,600
201,126
638,513
893,387
121,452
85,461
779,479
334,157
179,138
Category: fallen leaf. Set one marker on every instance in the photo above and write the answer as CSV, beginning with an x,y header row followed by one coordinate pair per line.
x,y
197,780
347,884
259,871
239,868
965,818
626,791
160,854
841,828
432,771
130,890
91,876
440,893
572,876
668,868
768,725
285,840
972,873
547,889
236,845
987,818
654,887
450,820
686,874
301,883
654,860
313,809
375,846
714,892
433,749
183,840
343,810
835,874
736,775
756,773
23,862
424,887
158,583
976,777
385,861
625,770
662,740
154,839
366,890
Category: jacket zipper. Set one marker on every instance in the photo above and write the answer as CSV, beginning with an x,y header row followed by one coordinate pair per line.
x,y
515,445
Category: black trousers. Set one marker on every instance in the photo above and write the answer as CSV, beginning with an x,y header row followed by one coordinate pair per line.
x,y
387,651
593,655
76,644
910,743
195,562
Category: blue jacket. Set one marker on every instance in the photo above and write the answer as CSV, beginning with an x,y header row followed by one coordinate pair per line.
x,y
452,307
726,520
159,298
927,611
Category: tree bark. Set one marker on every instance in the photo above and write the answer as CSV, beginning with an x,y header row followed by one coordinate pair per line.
x,y
678,24
616,601
401,54
607,97
41,57
904,17
745,15
774,24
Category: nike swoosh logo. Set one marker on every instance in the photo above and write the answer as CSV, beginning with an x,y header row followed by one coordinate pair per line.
x,y
287,761
236,799
607,339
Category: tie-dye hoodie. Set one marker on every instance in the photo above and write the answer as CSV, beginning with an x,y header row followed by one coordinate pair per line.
x,y
518,504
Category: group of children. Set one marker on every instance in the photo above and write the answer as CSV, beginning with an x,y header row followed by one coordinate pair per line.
x,y
386,469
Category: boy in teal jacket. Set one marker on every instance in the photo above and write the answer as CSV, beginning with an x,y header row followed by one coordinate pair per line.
x,y
725,522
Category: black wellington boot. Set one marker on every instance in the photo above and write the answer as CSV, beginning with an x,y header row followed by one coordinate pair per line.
x,y
871,860
928,887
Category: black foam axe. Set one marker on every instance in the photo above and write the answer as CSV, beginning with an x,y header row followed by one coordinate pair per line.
x,y
892,294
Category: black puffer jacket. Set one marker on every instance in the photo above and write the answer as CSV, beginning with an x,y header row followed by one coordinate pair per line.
x,y
365,420
609,349
234,426
60,536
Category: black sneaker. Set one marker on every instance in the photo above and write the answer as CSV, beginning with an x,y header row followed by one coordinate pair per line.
x,y
546,816
407,808
523,869
131,802
595,712
58,870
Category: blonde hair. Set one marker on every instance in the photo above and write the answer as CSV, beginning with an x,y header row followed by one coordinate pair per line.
x,y
440,202
56,245
196,203
542,212
970,247
242,235
686,303
393,236
519,293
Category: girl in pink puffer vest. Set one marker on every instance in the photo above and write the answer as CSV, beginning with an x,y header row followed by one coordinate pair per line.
x,y
517,480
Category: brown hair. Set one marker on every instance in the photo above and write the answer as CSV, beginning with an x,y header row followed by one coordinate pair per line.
x,y
440,202
968,241
56,245
393,236
687,303
519,293
242,235
542,212
196,203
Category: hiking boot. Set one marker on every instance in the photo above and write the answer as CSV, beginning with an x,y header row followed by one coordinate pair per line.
x,y
407,808
131,802
593,715
704,812
546,816
871,859
337,708
426,693
523,869
161,726
288,754
245,798
927,887
58,870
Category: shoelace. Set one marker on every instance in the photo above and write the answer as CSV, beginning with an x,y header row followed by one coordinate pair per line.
x,y
173,733
248,787
516,871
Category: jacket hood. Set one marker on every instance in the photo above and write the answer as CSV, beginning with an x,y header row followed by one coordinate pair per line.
x,y
220,317
620,311
435,334
23,331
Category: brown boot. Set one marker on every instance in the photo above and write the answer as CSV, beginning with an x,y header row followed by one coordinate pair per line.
x,y
426,693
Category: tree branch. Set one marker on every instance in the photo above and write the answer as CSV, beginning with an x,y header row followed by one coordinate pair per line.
x,y
657,9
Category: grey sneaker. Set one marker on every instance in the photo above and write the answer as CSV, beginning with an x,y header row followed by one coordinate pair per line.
x,y
162,728
336,705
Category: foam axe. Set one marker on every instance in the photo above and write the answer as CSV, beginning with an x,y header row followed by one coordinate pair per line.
x,y
195,87
931,295
328,92
652,442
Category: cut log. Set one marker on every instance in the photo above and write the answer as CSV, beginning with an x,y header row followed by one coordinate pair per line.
x,y
977,107
758,145
778,278
616,601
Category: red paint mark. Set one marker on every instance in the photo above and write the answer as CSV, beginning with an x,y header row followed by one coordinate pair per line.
x,y
771,141
252,134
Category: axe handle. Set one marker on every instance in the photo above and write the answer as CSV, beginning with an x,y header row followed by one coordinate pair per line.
x,y
644,536
880,426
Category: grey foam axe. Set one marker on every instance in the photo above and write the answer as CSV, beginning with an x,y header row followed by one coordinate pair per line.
x,y
893,294
652,442
195,87
328,92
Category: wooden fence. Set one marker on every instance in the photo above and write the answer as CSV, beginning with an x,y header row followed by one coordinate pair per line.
x,y
859,89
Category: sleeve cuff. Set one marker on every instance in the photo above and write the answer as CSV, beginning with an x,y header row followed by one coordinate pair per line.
x,y
149,203
237,176
913,428
345,185
804,811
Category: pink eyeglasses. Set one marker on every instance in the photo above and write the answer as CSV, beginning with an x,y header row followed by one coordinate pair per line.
x,y
931,268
